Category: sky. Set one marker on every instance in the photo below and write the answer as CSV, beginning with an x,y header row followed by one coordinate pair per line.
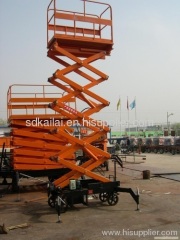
x,y
144,64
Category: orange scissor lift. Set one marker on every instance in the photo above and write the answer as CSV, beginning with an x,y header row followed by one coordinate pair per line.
x,y
83,46
75,40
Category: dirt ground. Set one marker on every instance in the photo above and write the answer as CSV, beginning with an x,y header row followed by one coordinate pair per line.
x,y
158,218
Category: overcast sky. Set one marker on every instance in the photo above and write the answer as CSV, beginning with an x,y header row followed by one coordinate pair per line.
x,y
145,61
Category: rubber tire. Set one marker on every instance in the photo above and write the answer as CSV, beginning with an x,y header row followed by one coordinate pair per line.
x,y
155,150
173,152
143,150
113,199
161,151
103,197
51,202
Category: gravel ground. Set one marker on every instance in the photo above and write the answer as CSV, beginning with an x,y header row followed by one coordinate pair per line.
x,y
158,216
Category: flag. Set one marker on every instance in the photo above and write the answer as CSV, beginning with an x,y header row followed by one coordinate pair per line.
x,y
127,104
118,103
133,104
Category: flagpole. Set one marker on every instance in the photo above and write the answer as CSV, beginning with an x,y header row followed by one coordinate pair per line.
x,y
136,116
128,115
128,123
119,106
120,117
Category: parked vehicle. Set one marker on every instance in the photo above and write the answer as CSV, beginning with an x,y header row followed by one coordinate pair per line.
x,y
161,145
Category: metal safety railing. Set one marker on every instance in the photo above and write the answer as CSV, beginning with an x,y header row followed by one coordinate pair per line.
x,y
80,24
25,99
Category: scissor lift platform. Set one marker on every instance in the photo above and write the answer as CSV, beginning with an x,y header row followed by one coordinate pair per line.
x,y
75,40
84,34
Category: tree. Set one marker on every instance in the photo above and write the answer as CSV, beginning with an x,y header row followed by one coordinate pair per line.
x,y
3,122
176,128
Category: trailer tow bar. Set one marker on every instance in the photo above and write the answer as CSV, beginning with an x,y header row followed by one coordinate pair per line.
x,y
133,195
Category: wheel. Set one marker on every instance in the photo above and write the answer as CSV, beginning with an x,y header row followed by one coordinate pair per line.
x,y
103,196
161,151
155,150
142,150
173,152
51,202
148,150
113,199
